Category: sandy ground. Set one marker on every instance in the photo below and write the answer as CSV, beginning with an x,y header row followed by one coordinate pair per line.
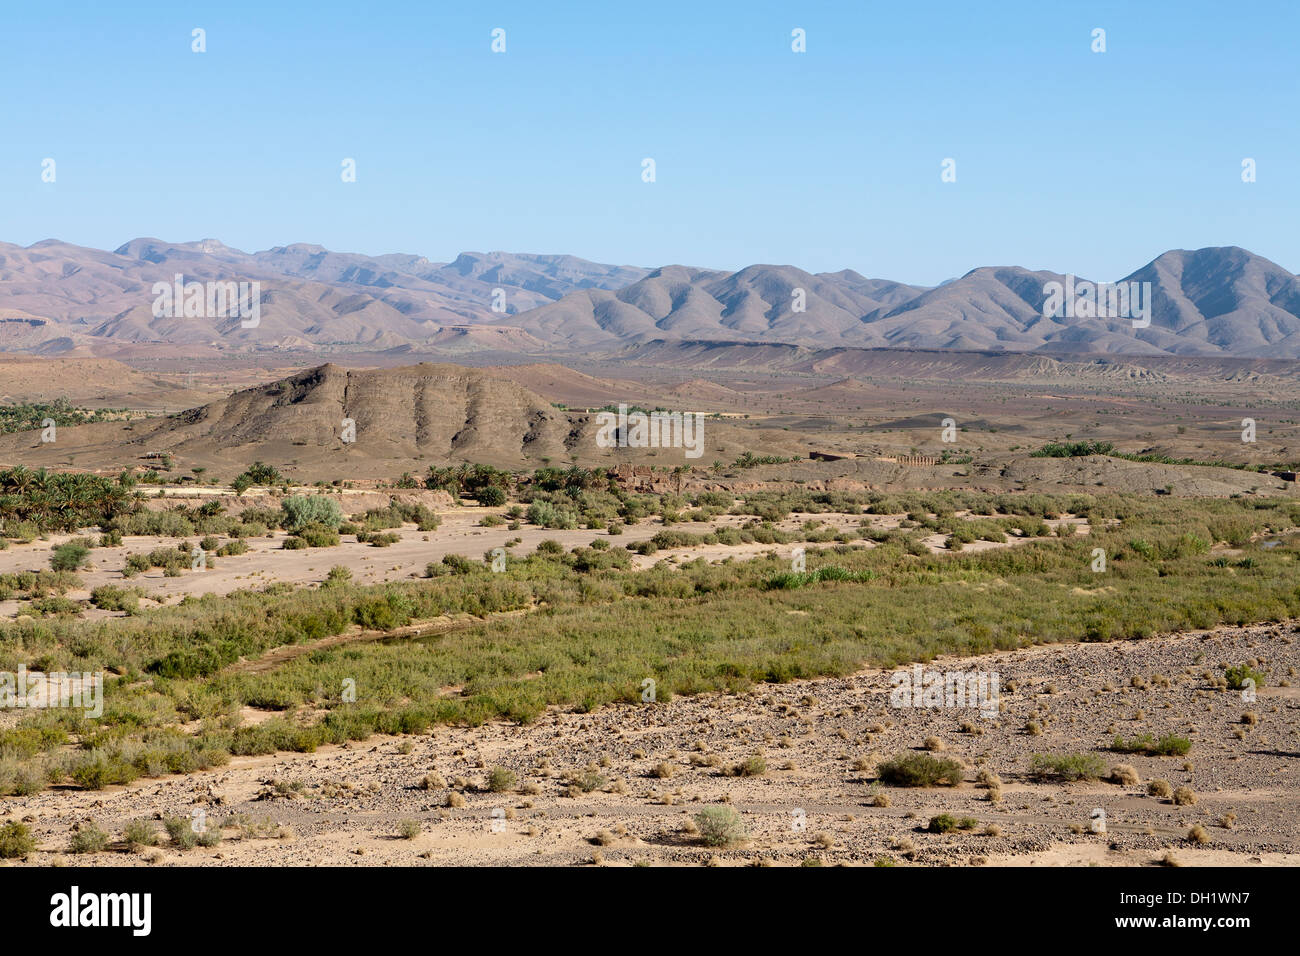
x,y
817,800
267,562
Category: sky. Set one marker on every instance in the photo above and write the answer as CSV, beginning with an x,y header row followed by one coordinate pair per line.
x,y
1065,158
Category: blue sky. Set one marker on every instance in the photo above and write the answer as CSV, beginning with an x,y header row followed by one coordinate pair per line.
x,y
1066,159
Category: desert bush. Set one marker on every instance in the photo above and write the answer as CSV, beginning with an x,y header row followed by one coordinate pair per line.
x,y
16,841
920,770
337,576
171,560
755,765
491,496
42,607
409,829
459,564
501,780
319,536
261,474
1170,745
139,833
109,597
165,524
181,832
1160,788
789,580
1237,676
946,823
69,556
1067,767
1123,774
548,516
97,770
88,839
301,511
720,826
587,780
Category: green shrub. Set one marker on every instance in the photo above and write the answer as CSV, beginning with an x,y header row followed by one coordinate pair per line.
x,y
42,607
946,823
319,536
139,833
16,841
301,511
181,832
1239,674
109,597
1067,767
409,829
501,780
1170,745
1078,449
789,580
337,576
548,516
88,839
588,780
164,524
943,823
382,613
260,474
69,556
920,770
754,765
720,826
492,496
171,560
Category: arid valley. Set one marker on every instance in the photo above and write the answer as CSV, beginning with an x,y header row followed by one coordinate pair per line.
x,y
427,640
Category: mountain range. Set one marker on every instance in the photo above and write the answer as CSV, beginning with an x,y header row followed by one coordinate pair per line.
x,y
59,298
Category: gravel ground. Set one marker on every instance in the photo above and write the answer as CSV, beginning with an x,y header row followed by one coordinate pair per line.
x,y
817,800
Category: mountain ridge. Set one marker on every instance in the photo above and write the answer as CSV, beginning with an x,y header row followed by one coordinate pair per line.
x,y
58,297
